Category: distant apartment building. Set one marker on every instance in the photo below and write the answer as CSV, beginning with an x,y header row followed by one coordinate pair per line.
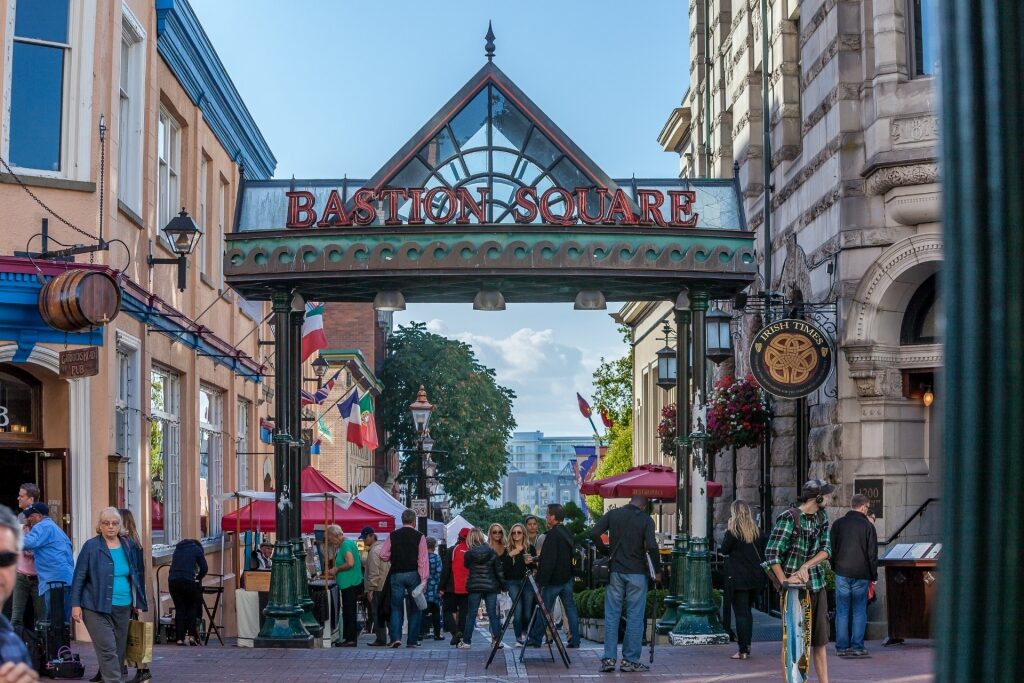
x,y
540,469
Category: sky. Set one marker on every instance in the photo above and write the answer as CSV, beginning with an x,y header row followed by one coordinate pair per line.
x,y
338,87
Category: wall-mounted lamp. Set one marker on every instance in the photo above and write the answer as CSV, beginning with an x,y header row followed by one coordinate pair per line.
x,y
667,362
928,398
489,300
182,235
718,335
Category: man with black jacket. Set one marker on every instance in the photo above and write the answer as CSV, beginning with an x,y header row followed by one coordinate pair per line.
x,y
855,563
634,556
554,577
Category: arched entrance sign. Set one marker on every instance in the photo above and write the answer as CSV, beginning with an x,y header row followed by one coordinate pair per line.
x,y
488,195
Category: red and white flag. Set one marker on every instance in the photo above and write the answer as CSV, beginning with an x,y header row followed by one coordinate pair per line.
x,y
313,337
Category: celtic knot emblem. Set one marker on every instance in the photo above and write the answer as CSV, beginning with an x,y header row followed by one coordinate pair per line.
x,y
790,358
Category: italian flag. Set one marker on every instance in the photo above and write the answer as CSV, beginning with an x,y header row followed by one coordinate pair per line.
x,y
368,426
313,337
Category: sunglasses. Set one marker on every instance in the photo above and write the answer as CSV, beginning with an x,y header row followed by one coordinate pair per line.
x,y
517,533
8,558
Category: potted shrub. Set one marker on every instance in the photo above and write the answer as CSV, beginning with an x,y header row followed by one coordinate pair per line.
x,y
597,614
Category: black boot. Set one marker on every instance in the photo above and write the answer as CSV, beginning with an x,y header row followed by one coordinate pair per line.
x,y
98,678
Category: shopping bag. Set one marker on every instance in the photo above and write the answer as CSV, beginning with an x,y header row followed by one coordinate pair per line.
x,y
140,642
419,596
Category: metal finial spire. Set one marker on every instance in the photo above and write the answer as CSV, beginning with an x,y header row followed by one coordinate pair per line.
x,y
489,47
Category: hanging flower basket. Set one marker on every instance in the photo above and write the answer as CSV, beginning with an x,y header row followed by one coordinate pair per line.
x,y
738,415
667,429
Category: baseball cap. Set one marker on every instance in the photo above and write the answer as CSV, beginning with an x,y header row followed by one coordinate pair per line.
x,y
817,487
367,530
463,533
40,507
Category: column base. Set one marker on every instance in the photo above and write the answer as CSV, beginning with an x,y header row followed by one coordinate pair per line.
x,y
283,627
674,600
302,592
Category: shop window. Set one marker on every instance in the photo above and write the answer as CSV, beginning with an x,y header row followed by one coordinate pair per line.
x,y
20,408
242,444
130,111
164,449
923,36
168,171
211,460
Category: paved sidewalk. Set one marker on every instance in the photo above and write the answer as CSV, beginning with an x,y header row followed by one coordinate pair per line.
x,y
437,662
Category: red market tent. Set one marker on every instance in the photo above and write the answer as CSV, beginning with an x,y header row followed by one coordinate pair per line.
x,y
260,515
649,481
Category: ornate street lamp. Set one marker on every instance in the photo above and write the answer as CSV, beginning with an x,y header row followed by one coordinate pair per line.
x,y
182,235
667,362
320,366
719,335
421,409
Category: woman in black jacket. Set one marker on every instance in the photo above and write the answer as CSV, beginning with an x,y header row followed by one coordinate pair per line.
x,y
185,583
743,547
485,581
513,565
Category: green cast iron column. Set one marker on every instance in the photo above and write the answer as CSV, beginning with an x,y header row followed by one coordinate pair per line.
x,y
676,590
698,617
283,624
980,619
295,467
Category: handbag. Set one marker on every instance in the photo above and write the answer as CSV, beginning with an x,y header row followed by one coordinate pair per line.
x,y
140,642
66,665
419,596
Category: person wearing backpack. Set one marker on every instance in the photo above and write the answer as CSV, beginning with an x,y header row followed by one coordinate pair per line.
x,y
555,577
634,556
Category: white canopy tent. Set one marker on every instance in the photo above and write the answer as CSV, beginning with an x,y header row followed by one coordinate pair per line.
x,y
376,496
453,527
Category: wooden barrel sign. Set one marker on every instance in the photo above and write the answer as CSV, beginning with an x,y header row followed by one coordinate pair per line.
x,y
78,300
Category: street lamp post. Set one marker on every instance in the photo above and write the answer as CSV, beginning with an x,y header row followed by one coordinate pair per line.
x,y
283,624
421,409
698,622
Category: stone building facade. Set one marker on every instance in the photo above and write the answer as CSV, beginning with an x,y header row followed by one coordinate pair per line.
x,y
852,116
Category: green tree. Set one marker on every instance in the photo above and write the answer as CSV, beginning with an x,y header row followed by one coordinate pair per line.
x,y
479,515
472,419
576,523
613,383
619,458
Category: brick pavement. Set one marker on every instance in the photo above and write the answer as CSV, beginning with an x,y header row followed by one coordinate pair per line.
x,y
438,662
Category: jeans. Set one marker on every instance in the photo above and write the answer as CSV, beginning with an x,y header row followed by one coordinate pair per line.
x,y
402,585
521,615
473,605
109,633
26,588
549,594
742,599
630,589
851,605
455,614
67,603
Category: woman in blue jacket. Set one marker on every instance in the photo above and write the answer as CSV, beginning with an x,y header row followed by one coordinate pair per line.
x,y
106,589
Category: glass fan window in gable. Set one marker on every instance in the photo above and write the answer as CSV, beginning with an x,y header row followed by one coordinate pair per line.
x,y
490,143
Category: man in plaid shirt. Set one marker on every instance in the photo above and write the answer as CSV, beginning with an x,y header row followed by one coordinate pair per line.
x,y
797,547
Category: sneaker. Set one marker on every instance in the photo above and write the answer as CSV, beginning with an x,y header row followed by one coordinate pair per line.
x,y
378,643
395,644
463,645
413,645
521,640
859,653
607,666
633,667
843,653
497,643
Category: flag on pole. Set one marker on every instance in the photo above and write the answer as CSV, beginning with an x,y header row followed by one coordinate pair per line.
x,y
314,448
266,430
323,431
306,398
606,419
584,406
323,392
369,427
349,409
313,337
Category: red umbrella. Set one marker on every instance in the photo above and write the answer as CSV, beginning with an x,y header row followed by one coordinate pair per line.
x,y
649,481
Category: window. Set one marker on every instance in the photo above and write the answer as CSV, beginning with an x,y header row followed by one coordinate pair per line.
x,y
204,238
130,112
168,171
211,461
125,479
223,220
164,448
20,408
40,58
242,444
924,39
922,320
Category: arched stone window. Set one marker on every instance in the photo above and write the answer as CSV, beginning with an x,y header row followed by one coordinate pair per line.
x,y
921,320
20,408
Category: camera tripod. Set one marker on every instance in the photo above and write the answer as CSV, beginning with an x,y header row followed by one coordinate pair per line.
x,y
538,607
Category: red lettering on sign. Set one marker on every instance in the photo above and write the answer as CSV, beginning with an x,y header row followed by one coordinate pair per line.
x,y
681,206
466,203
620,206
582,195
415,206
334,212
390,197
568,217
428,205
365,212
526,197
300,210
650,206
